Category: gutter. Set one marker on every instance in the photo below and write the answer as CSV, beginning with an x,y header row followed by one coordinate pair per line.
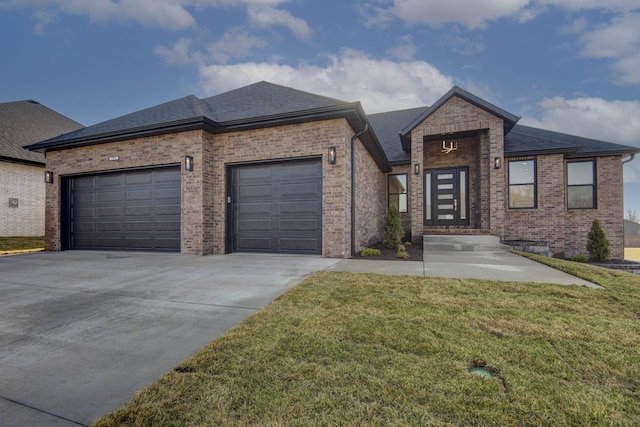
x,y
353,186
631,157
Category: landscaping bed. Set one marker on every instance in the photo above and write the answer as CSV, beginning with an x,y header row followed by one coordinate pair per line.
x,y
387,254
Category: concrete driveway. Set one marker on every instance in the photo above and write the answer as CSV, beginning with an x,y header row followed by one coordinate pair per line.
x,y
81,332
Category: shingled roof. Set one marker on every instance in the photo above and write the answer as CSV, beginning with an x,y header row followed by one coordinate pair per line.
x,y
267,104
258,105
28,122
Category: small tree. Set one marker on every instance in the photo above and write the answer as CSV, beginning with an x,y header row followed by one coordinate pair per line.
x,y
598,245
393,229
632,216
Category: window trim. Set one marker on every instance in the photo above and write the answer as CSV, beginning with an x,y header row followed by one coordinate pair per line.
x,y
535,184
593,185
406,192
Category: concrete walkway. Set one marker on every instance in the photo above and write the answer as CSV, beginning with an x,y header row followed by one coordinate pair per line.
x,y
456,260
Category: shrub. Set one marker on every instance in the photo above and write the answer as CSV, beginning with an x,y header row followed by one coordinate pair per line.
x,y
370,252
402,252
598,245
580,258
393,229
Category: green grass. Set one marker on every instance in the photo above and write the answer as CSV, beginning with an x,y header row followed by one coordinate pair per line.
x,y
365,349
11,244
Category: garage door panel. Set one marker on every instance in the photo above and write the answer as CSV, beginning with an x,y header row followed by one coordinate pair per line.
x,y
299,225
278,207
249,192
166,194
258,209
106,181
255,225
131,210
299,245
254,244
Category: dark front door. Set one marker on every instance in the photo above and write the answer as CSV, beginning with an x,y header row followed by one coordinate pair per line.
x,y
277,207
446,200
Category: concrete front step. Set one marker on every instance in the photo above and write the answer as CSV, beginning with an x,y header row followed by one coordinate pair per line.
x,y
444,243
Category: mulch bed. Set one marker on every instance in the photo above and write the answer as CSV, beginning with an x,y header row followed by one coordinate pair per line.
x,y
414,250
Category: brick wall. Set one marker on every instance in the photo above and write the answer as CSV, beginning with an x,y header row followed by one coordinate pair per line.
x,y
136,153
457,115
25,183
371,199
467,155
289,142
567,229
204,206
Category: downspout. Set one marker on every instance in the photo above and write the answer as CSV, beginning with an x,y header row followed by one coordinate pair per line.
x,y
631,157
353,186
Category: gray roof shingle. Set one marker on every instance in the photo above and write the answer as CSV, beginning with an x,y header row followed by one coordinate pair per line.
x,y
526,140
29,122
388,126
631,229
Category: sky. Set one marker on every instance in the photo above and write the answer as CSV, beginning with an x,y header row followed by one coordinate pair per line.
x,y
571,66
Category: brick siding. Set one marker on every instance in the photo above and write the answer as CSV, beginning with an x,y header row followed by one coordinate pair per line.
x,y
204,207
567,229
25,183
457,115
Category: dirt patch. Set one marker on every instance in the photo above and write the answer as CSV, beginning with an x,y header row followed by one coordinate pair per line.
x,y
386,254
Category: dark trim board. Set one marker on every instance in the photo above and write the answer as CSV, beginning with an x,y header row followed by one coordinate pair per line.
x,y
275,207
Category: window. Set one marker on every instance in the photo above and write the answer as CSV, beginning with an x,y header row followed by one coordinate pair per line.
x,y
581,185
522,184
398,191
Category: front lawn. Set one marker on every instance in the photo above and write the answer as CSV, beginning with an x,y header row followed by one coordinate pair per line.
x,y
20,244
365,349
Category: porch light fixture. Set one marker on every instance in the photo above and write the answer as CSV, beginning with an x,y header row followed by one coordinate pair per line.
x,y
497,163
332,155
48,177
416,169
188,163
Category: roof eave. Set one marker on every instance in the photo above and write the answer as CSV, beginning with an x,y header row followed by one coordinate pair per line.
x,y
603,153
508,119
541,152
21,161
140,132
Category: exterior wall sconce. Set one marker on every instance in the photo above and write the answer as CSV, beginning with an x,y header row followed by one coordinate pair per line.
x,y
416,169
48,177
332,155
497,163
188,163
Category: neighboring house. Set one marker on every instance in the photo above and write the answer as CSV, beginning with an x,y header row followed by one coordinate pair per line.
x,y
631,234
22,189
266,168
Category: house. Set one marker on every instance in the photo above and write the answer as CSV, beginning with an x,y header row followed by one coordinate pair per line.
x,y
631,234
22,189
267,168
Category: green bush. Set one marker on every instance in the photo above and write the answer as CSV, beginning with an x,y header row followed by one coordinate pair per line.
x,y
402,252
370,252
393,229
580,258
598,245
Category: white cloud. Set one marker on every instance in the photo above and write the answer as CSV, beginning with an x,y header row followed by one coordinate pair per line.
x,y
380,85
267,16
235,43
615,121
179,53
168,14
619,40
405,50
